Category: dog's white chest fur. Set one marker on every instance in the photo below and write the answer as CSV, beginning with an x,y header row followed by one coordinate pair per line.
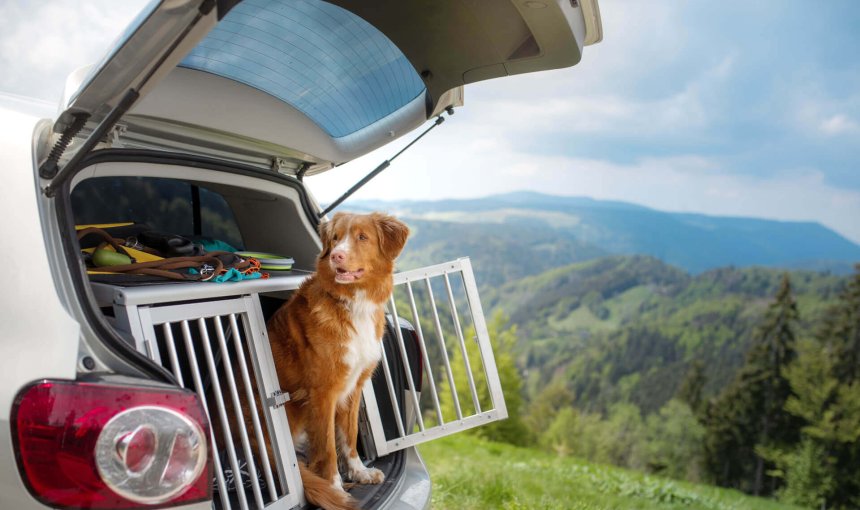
x,y
363,349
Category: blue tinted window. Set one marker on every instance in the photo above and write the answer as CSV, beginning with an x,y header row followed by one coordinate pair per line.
x,y
165,205
326,62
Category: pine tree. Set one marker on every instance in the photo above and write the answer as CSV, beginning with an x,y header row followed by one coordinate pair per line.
x,y
691,388
823,470
729,445
561,434
841,331
673,442
771,355
544,407
750,413
841,338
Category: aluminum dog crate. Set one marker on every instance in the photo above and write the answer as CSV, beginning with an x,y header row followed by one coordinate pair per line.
x,y
213,338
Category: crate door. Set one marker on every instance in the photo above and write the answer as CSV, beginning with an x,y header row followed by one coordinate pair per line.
x,y
220,349
452,384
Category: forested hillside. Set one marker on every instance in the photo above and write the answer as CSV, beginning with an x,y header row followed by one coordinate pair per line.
x,y
701,352
627,329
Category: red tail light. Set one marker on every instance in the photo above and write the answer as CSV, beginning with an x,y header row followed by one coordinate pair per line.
x,y
97,446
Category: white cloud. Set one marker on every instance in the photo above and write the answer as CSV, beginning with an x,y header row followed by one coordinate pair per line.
x,y
816,112
42,42
532,106
839,125
595,114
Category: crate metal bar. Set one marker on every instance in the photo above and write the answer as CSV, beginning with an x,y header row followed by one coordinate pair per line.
x,y
198,385
463,351
402,346
171,352
414,275
202,310
222,414
424,357
128,318
488,360
237,410
443,349
466,423
150,346
150,351
255,418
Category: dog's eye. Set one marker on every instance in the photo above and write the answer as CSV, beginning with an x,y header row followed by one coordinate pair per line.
x,y
362,237
334,237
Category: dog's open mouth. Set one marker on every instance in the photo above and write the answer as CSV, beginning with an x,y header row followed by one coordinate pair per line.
x,y
344,276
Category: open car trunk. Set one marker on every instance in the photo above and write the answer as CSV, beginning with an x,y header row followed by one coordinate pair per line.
x,y
201,123
437,374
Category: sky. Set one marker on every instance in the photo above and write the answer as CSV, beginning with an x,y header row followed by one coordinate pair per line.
x,y
730,108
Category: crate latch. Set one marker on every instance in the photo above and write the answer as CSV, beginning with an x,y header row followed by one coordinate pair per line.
x,y
278,399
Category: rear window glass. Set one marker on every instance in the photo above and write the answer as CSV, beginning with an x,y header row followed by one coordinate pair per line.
x,y
166,205
328,63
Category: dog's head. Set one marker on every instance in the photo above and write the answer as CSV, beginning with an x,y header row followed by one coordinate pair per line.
x,y
360,248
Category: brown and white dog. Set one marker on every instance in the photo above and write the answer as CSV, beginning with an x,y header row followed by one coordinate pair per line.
x,y
326,342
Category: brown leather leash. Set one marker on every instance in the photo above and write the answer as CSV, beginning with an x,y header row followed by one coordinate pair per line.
x,y
207,266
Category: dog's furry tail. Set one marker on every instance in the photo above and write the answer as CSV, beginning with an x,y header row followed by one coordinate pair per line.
x,y
322,493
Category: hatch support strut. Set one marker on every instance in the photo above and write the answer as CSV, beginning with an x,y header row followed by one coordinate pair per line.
x,y
382,166
49,169
97,135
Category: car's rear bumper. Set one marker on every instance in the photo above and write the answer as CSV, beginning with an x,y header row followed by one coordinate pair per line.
x,y
413,488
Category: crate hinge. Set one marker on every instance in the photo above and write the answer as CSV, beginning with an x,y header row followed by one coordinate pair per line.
x,y
277,399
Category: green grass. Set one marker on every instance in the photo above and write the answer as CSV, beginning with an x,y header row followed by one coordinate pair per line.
x,y
469,473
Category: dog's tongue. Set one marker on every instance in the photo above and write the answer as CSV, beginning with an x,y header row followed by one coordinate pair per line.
x,y
343,275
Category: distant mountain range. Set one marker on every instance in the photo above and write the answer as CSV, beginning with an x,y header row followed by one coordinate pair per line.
x,y
531,232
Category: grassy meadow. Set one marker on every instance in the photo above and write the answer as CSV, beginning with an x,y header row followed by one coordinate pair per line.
x,y
469,473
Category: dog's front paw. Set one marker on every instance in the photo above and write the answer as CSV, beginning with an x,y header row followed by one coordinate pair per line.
x,y
361,474
367,475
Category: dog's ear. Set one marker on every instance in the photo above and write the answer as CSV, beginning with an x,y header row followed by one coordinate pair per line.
x,y
392,234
